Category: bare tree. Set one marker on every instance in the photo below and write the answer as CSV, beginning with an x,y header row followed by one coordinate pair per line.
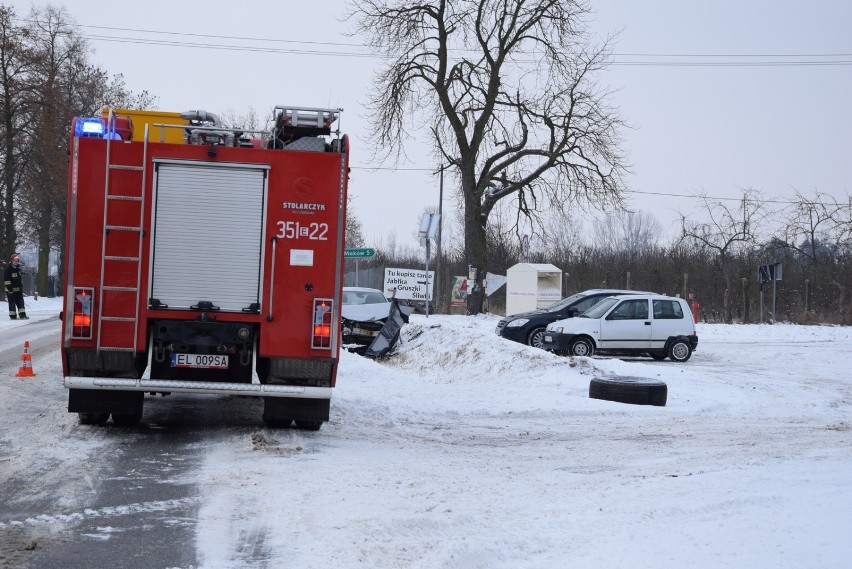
x,y
813,220
354,227
113,92
47,80
630,232
507,90
248,121
728,230
504,240
17,100
815,229
57,48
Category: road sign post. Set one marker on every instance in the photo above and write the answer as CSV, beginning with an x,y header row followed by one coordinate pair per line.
x,y
765,274
358,254
428,230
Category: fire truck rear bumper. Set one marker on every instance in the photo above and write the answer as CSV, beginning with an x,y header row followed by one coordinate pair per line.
x,y
165,385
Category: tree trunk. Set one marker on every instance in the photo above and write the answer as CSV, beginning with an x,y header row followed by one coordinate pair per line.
x,y
10,235
44,253
474,251
726,300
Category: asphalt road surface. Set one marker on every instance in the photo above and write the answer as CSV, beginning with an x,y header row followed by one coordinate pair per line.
x,y
100,496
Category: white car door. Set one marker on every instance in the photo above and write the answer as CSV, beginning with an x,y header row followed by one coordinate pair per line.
x,y
626,326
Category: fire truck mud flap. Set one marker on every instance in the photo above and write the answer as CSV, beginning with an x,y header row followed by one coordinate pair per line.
x,y
95,404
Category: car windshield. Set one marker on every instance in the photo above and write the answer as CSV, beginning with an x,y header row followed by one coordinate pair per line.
x,y
601,308
560,304
363,297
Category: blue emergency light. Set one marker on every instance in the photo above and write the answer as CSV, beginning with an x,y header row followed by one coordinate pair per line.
x,y
89,127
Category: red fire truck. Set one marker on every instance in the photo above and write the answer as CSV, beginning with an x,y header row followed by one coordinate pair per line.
x,y
206,260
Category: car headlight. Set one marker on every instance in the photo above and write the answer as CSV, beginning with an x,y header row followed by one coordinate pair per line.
x,y
518,322
557,330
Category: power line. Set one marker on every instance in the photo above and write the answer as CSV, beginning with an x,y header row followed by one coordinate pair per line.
x,y
733,54
223,47
216,36
799,62
731,63
359,45
663,194
739,199
293,51
261,49
391,169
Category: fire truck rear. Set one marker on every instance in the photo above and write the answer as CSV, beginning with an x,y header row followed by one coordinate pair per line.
x,y
206,260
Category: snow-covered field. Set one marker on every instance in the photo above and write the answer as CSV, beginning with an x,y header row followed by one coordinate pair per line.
x,y
468,451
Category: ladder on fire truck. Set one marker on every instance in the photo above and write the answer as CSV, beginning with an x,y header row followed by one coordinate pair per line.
x,y
121,200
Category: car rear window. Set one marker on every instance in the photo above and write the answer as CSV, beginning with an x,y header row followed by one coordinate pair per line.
x,y
587,303
374,298
363,297
667,310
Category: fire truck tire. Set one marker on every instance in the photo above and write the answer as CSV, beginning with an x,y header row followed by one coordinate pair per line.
x,y
126,407
308,413
634,390
277,423
127,419
309,425
93,418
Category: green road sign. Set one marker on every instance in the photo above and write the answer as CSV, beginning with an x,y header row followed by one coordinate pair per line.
x,y
359,253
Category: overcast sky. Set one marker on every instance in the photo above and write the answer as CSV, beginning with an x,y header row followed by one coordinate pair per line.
x,y
777,127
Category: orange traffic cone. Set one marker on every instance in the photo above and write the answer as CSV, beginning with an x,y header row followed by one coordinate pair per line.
x,y
26,369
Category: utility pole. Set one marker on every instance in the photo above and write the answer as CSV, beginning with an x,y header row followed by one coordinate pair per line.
x,y
428,229
437,283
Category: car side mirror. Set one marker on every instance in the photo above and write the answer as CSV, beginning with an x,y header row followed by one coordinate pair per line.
x,y
572,312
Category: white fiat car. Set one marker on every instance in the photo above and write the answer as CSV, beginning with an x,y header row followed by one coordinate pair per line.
x,y
645,324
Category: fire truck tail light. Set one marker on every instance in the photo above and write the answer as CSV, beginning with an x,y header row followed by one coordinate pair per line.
x,y
82,317
321,333
322,330
82,320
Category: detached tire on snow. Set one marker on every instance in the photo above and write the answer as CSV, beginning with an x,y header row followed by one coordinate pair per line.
x,y
634,390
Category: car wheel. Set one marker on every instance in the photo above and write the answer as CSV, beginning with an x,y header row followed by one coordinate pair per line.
x,y
581,347
633,390
536,338
679,351
277,423
658,356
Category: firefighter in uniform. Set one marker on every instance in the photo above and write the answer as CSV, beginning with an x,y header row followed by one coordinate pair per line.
x,y
15,288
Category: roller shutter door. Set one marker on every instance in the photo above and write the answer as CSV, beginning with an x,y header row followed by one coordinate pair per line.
x,y
207,235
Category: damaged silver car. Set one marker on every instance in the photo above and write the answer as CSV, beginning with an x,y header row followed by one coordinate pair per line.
x,y
365,311
371,322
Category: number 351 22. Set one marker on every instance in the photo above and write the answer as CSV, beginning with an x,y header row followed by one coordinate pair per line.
x,y
295,230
